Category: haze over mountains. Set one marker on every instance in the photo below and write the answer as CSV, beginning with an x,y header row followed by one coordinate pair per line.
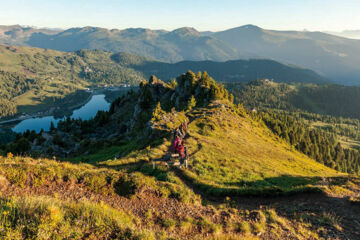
x,y
30,74
334,57
355,34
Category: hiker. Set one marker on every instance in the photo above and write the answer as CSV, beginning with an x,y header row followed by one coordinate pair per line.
x,y
178,133
184,127
181,130
180,148
184,158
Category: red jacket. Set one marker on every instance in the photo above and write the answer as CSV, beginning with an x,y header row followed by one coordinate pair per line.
x,y
178,147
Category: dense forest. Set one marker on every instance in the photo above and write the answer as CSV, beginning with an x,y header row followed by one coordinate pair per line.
x,y
235,71
321,145
327,99
12,85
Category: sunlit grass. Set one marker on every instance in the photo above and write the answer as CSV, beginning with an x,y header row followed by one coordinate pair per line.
x,y
232,152
48,218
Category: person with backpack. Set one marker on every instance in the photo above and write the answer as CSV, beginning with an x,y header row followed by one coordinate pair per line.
x,y
184,158
178,133
179,143
184,127
181,130
180,148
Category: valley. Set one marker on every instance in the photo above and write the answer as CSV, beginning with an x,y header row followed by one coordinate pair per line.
x,y
243,180
37,80
273,148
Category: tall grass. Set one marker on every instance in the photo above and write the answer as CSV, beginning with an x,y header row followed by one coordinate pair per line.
x,y
49,218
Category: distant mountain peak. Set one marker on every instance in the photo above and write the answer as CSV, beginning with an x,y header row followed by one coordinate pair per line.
x,y
250,26
138,30
186,31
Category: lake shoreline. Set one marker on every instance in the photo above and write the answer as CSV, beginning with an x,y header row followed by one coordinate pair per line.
x,y
70,108
60,112
85,112
36,115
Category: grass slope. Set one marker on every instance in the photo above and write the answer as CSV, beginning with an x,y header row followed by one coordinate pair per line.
x,y
231,155
234,154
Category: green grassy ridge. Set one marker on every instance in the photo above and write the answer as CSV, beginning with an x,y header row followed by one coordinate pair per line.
x,y
295,113
239,156
235,155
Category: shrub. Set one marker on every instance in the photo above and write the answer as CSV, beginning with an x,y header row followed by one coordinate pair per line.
x,y
96,183
17,176
244,227
207,226
169,223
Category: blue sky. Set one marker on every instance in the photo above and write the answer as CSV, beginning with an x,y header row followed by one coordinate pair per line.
x,y
214,15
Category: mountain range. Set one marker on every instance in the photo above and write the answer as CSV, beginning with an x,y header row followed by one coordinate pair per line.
x,y
334,57
29,76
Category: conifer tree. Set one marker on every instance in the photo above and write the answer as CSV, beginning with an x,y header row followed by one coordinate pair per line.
x,y
157,113
191,103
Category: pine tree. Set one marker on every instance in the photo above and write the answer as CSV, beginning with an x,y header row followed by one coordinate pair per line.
x,y
191,103
157,113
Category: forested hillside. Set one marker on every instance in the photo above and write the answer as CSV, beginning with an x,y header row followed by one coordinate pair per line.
x,y
32,76
328,99
320,144
235,71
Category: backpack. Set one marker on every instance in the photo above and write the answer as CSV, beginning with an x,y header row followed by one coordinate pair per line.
x,y
176,143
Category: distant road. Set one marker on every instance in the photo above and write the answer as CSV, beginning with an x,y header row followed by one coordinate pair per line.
x,y
17,119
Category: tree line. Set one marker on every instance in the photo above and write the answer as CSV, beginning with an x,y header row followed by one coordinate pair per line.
x,y
323,146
